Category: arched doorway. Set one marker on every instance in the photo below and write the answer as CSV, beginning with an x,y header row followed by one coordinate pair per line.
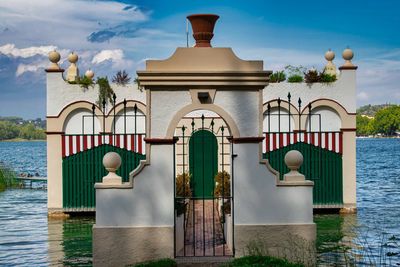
x,y
202,157
203,163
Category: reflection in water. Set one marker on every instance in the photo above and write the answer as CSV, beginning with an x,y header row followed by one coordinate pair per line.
x,y
70,241
335,235
29,238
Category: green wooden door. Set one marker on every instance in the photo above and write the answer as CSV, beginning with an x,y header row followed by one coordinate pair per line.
x,y
81,171
321,166
203,163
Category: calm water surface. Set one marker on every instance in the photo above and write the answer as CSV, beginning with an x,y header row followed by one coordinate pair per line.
x,y
28,238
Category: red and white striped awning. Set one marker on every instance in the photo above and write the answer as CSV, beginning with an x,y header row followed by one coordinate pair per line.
x,y
332,141
73,144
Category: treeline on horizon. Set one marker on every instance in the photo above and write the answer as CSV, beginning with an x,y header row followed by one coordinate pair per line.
x,y
18,128
378,119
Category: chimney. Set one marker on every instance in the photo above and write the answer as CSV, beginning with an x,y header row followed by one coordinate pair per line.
x,y
203,28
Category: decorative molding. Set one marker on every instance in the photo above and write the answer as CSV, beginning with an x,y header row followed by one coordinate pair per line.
x,y
54,70
348,129
245,140
348,67
161,141
54,133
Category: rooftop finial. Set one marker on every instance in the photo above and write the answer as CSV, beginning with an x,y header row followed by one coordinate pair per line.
x,y
73,71
348,56
89,74
330,68
54,58
203,28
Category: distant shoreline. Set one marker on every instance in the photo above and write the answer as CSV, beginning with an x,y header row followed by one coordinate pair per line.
x,y
23,140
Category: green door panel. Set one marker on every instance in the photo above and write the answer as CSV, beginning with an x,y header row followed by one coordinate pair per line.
x,y
321,166
82,170
203,163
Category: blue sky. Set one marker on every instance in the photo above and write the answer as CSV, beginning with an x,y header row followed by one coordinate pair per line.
x,y
113,35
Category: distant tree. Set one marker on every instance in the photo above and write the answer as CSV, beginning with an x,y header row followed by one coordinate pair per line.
x,y
387,120
121,78
365,126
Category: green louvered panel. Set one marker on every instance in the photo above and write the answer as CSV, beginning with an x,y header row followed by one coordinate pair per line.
x,y
81,171
321,166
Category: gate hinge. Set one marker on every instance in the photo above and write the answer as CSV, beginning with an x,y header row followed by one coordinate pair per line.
x,y
234,156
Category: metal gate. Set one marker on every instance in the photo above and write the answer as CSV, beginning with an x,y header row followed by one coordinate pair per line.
x,y
82,156
203,221
322,151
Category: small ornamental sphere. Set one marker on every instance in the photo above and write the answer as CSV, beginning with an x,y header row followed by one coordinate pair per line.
x,y
348,54
112,161
54,56
89,74
329,55
293,159
73,57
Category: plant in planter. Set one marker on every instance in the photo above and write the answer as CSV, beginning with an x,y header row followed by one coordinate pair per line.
x,y
105,91
121,78
327,78
223,190
312,76
183,190
295,74
83,81
277,77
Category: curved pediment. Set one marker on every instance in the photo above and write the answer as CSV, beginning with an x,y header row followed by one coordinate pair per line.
x,y
204,59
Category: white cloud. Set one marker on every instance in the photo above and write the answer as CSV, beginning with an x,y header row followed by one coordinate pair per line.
x,y
116,56
113,55
23,68
66,23
11,50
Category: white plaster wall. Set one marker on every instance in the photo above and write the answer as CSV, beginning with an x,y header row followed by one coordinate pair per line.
x,y
330,119
239,105
342,91
60,93
274,121
151,200
269,204
243,107
164,105
77,118
130,122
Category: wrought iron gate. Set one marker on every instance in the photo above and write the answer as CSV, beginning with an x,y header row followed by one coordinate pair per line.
x,y
322,151
203,224
82,156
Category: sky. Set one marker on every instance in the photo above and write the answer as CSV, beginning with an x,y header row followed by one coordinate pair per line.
x,y
114,35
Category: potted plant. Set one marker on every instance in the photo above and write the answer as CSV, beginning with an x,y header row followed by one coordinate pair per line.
x,y
295,74
277,77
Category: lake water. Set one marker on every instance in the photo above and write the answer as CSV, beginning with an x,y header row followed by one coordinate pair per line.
x,y
28,238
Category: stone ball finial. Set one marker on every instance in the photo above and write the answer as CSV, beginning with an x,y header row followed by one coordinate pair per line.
x,y
329,55
348,56
54,58
89,74
73,57
112,161
330,68
293,159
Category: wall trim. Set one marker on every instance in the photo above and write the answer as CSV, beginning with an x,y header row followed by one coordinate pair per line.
x,y
245,140
348,129
161,141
